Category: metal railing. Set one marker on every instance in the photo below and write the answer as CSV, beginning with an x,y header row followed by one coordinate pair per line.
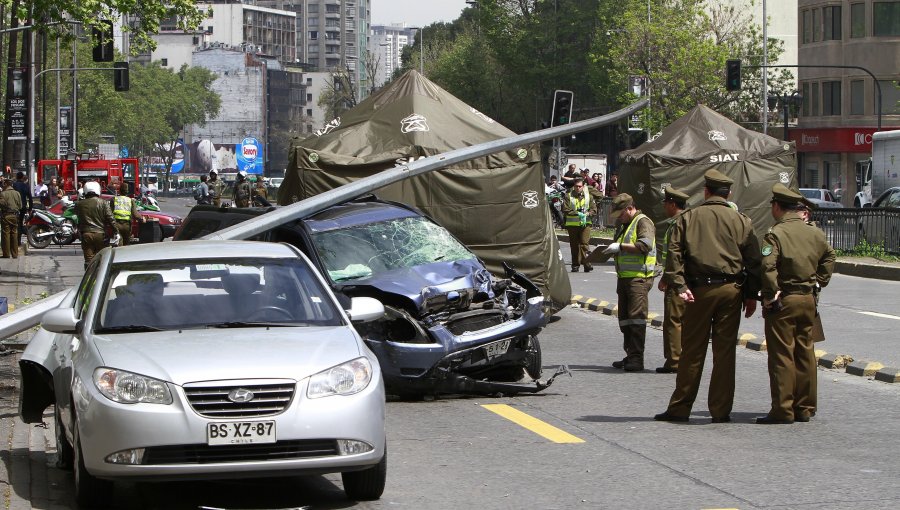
x,y
848,228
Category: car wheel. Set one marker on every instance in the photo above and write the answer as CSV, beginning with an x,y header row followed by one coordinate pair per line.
x,y
36,230
533,357
368,484
89,490
65,454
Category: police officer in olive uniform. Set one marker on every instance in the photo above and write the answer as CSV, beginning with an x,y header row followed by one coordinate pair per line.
x,y
796,259
10,205
124,210
675,203
714,264
635,252
578,209
216,187
242,190
94,216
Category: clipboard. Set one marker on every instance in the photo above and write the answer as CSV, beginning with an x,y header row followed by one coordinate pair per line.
x,y
598,257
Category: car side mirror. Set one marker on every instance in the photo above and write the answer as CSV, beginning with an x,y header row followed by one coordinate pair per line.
x,y
61,320
365,309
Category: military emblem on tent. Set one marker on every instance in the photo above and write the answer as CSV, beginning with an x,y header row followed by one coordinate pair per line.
x,y
654,137
483,116
529,199
784,177
414,122
716,135
522,153
331,126
663,186
640,189
313,157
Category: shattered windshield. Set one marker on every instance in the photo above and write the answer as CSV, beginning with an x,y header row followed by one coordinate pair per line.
x,y
366,250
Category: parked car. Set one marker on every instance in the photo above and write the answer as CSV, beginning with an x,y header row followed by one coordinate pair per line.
x,y
820,197
168,223
881,224
207,359
449,327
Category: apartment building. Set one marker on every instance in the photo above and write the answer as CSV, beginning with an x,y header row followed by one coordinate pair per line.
x,y
841,109
386,43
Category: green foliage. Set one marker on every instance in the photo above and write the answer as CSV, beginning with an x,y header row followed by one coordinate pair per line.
x,y
867,249
144,16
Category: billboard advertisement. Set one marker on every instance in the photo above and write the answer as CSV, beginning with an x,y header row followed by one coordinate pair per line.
x,y
225,158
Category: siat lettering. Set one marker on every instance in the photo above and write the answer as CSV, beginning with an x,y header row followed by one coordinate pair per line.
x,y
722,158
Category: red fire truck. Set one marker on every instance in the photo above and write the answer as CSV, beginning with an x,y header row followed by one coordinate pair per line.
x,y
96,168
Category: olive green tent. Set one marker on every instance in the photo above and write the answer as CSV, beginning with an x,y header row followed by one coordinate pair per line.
x,y
494,204
700,140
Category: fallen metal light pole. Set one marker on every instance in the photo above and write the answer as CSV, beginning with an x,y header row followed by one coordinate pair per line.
x,y
312,205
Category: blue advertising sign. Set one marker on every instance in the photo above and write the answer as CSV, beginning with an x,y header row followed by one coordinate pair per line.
x,y
178,161
250,156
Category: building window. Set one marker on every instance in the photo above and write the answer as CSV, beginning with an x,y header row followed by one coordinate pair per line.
x,y
209,29
814,99
890,95
857,97
832,15
313,35
807,26
309,112
312,8
886,19
164,62
309,98
831,98
857,20
312,22
806,100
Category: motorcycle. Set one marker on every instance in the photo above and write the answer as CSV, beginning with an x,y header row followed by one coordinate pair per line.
x,y
44,227
555,198
148,202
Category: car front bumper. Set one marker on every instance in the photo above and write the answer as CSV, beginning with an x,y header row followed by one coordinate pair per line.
x,y
174,437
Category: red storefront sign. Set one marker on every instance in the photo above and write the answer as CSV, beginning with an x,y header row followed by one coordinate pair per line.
x,y
842,139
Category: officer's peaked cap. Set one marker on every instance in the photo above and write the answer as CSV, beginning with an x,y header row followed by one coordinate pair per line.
x,y
716,179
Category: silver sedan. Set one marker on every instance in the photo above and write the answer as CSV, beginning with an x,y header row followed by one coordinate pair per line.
x,y
207,359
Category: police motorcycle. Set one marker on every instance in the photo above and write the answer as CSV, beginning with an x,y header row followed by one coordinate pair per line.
x,y
148,202
44,227
555,199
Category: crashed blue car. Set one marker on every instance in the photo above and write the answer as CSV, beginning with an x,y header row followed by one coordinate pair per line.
x,y
449,325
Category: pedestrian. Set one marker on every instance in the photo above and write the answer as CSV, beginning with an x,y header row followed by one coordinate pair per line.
x,y
40,190
578,209
216,187
713,263
612,186
260,189
125,212
94,216
568,178
21,185
674,204
598,181
203,195
53,192
635,252
797,261
242,190
10,205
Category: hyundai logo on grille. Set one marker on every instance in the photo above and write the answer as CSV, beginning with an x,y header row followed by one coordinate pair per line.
x,y
240,395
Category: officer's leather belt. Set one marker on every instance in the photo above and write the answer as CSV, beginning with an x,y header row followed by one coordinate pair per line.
x,y
702,281
797,291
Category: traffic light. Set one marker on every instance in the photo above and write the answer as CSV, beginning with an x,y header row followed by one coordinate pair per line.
x,y
120,76
733,74
103,41
562,107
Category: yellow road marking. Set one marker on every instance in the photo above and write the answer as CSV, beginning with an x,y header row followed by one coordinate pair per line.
x,y
881,315
533,424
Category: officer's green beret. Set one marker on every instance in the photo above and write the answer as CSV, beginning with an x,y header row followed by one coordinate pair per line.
x,y
716,179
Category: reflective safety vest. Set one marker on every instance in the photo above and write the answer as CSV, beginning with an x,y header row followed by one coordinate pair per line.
x,y
122,208
579,205
635,265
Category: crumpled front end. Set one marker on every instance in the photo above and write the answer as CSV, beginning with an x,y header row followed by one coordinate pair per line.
x,y
461,336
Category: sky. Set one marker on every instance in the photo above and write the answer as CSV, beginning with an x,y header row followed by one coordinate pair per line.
x,y
415,13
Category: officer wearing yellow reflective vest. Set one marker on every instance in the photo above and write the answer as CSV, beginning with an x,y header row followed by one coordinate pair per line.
x,y
579,210
635,252
124,209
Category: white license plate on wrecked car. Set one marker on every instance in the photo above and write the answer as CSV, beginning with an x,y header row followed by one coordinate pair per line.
x,y
240,432
496,349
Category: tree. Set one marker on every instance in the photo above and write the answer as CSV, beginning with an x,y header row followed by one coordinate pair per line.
x,y
339,94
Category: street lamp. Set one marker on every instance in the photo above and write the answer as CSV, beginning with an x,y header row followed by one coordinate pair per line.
x,y
422,51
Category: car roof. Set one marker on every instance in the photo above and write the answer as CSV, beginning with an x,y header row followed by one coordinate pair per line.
x,y
351,214
201,249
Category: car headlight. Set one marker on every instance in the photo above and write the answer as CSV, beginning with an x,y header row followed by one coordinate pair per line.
x,y
345,379
127,388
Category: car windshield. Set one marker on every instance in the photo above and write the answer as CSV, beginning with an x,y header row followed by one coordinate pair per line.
x,y
810,193
214,292
365,250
